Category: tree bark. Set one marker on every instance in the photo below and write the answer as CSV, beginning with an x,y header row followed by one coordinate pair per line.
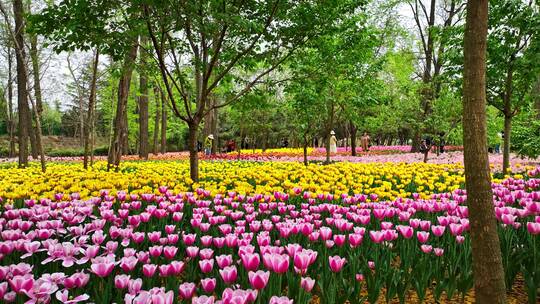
x,y
156,120
34,56
536,97
305,146
22,92
11,116
487,263
143,104
120,129
125,126
506,142
354,131
164,124
193,153
88,126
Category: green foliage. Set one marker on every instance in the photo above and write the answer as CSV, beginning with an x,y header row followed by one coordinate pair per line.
x,y
526,135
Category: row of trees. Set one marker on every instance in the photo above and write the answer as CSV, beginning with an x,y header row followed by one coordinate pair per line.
x,y
202,69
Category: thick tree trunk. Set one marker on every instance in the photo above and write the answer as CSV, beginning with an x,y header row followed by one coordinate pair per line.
x,y
506,142
164,124
22,92
156,120
120,129
143,105
125,138
193,153
88,126
32,135
487,263
354,131
11,116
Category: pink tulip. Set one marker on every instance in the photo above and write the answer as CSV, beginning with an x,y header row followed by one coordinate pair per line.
x,y
206,266
307,283
406,231
259,279
438,230
533,227
208,284
21,283
63,297
336,263
102,267
224,260
426,248
149,269
438,251
121,281
276,262
376,236
422,236
359,277
229,274
186,290
203,300
192,251
134,286
250,261
280,300
169,252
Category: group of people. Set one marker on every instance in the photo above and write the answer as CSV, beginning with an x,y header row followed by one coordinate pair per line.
x,y
230,146
364,141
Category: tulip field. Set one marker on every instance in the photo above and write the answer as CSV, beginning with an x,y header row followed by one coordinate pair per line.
x,y
255,232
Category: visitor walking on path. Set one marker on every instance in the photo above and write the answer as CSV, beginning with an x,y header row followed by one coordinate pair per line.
x,y
208,144
365,142
333,142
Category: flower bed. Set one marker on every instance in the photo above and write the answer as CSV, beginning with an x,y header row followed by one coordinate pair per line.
x,y
198,248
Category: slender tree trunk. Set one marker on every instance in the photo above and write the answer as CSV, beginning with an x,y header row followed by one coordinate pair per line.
x,y
164,123
143,104
305,146
328,130
506,142
11,116
88,126
39,145
156,119
487,263
354,131
193,153
120,129
34,56
536,97
22,92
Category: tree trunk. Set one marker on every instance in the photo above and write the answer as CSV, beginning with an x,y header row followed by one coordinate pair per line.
x,y
120,129
193,153
88,126
506,142
164,124
39,145
487,263
34,56
305,146
143,104
125,138
156,119
354,131
11,116
22,93
536,97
